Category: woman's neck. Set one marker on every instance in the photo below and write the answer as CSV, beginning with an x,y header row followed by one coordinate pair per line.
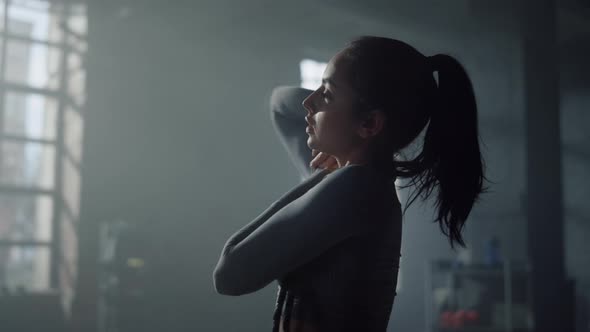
x,y
379,161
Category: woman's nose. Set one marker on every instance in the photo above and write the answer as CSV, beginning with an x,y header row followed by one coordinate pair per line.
x,y
307,104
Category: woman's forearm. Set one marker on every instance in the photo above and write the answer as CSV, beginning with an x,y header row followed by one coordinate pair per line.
x,y
288,118
253,225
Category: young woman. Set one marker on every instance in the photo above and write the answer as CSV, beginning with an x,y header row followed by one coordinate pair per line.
x,y
333,241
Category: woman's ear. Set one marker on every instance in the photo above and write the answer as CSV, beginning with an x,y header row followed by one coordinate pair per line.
x,y
372,123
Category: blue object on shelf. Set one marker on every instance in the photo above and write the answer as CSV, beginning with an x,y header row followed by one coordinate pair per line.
x,y
492,252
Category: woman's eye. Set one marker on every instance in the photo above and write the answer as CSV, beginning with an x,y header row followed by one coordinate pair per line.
x,y
326,97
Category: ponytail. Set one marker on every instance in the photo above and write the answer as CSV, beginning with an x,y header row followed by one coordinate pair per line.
x,y
450,157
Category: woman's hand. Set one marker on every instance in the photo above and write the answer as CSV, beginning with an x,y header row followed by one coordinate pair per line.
x,y
323,160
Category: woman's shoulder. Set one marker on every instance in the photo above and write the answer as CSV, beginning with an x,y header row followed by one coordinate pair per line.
x,y
359,174
362,182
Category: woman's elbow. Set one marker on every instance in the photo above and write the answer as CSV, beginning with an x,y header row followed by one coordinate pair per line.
x,y
276,97
234,284
223,283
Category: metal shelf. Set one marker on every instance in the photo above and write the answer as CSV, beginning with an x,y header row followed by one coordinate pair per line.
x,y
491,288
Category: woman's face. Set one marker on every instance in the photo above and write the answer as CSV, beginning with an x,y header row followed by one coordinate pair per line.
x,y
332,124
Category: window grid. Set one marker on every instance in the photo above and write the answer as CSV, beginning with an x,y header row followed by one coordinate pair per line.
x,y
58,142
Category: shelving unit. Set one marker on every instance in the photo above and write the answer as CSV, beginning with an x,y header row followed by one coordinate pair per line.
x,y
492,298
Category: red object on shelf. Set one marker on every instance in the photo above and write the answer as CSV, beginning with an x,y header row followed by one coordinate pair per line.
x,y
459,318
446,319
472,316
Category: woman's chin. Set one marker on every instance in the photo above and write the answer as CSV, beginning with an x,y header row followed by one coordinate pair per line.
x,y
311,143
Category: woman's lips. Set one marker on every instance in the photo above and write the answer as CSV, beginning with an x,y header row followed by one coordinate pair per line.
x,y
308,129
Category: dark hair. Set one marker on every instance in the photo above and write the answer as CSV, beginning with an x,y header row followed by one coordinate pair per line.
x,y
393,76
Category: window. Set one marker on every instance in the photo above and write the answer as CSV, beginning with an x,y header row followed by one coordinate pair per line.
x,y
311,73
42,47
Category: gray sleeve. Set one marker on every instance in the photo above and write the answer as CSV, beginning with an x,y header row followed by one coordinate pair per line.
x,y
285,236
288,118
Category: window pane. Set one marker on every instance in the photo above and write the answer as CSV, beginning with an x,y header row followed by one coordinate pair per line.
x,y
78,26
73,133
30,115
76,76
311,73
25,217
68,265
36,19
20,27
25,266
32,64
27,164
71,187
2,15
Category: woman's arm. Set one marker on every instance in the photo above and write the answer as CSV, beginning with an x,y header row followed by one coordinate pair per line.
x,y
288,118
342,205
285,199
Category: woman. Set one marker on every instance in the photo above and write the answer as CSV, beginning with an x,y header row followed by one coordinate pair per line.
x,y
333,242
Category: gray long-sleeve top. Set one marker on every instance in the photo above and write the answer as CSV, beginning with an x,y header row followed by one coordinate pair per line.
x,y
337,236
